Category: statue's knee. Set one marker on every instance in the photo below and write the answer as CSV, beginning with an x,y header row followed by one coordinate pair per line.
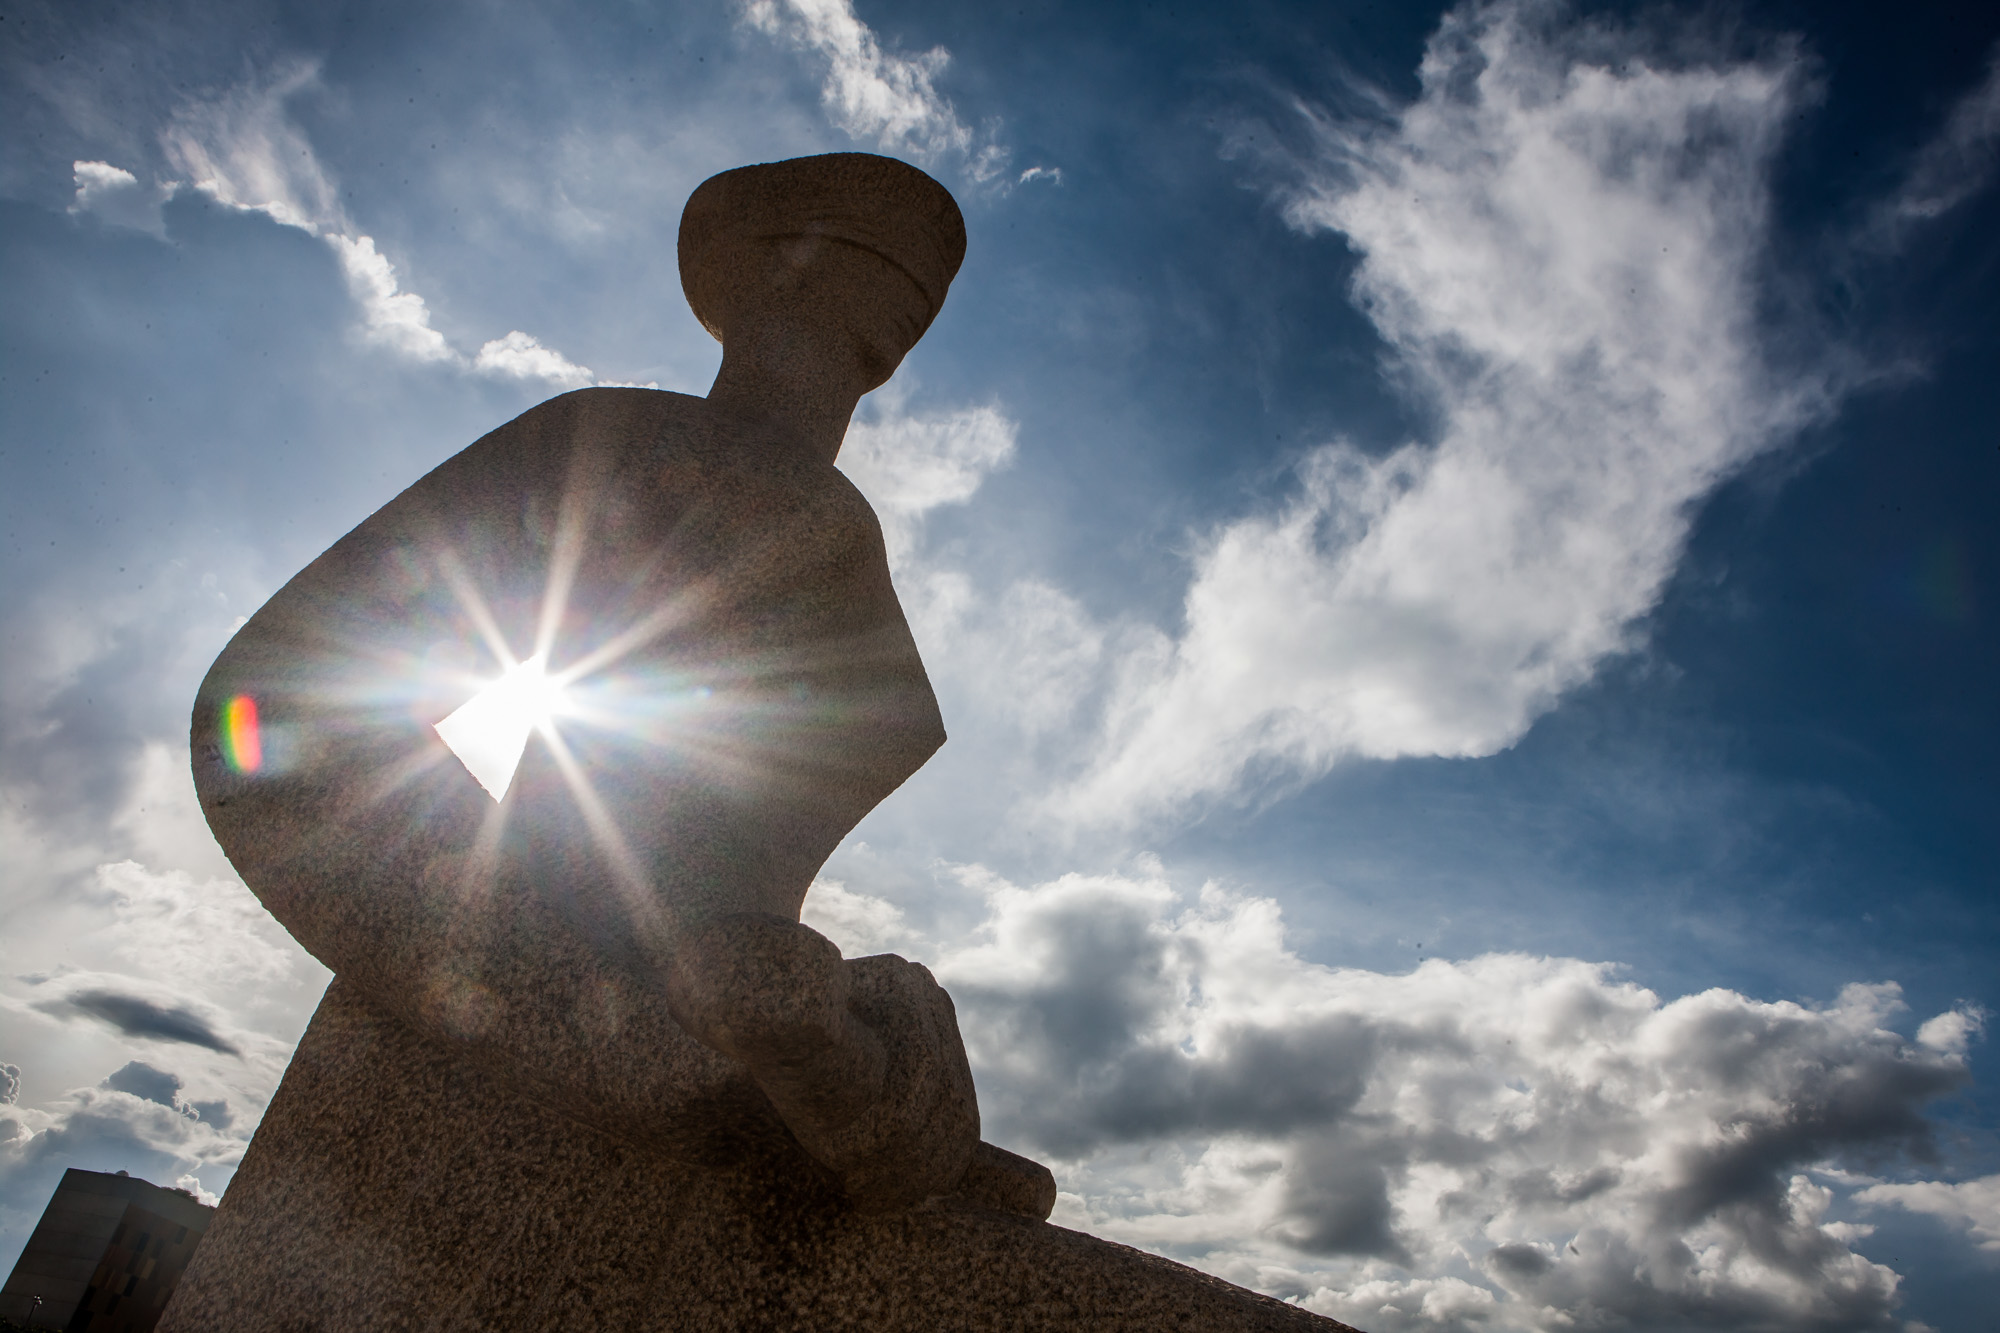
x,y
919,1136
759,987
862,1058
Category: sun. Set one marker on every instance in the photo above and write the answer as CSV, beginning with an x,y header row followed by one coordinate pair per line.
x,y
489,731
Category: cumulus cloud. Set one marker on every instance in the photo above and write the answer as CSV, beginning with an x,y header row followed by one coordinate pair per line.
x,y
521,356
391,317
243,149
860,923
187,969
103,1129
115,196
159,1085
1517,1141
1972,1204
874,94
1953,1031
142,1080
1562,255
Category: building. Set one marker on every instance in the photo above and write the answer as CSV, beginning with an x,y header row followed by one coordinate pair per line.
x,y
106,1255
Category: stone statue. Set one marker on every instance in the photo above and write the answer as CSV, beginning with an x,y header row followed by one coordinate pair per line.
x,y
597,954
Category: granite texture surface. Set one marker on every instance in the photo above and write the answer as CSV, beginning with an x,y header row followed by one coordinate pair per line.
x,y
395,1186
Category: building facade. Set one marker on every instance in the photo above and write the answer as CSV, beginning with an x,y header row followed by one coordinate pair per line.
x,y
106,1255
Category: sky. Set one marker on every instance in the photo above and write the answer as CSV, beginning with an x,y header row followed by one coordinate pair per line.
x,y
1455,545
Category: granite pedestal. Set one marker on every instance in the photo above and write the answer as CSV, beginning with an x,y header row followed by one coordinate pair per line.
x,y
393,1186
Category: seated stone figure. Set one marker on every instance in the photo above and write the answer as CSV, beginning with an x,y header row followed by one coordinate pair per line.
x,y
618,935
580,1066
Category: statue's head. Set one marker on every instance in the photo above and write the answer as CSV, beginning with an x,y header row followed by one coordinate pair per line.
x,y
851,246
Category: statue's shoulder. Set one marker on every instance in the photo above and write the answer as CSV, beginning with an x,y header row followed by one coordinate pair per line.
x,y
649,465
602,415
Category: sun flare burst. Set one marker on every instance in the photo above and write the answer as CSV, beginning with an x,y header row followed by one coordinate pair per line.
x,y
489,732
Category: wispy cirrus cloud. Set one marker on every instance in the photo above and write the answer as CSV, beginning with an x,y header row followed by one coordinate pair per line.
x,y
910,462
878,95
1957,163
242,148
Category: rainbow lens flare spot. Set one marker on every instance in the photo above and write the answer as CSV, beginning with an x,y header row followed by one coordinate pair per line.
x,y
242,746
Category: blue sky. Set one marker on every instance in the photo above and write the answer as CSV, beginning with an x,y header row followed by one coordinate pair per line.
x,y
1455,545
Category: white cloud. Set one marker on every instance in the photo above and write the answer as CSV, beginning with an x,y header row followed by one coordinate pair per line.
x,y
861,924
162,819
1562,256
1031,655
101,1129
874,94
1512,1141
1953,1032
212,935
521,356
115,196
192,975
193,967
1952,167
908,464
242,149
126,935
391,317
1972,1204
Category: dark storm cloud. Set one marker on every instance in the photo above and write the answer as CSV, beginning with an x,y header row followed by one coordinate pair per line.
x,y
1337,1201
1261,1082
1627,1155
142,1080
215,1113
136,1016
1870,1107
157,1085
